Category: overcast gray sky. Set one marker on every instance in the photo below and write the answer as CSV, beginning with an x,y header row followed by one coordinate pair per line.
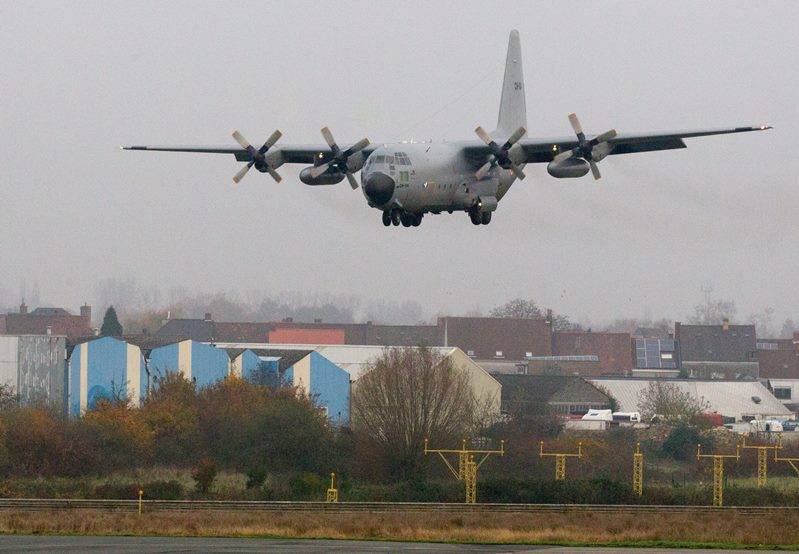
x,y
79,79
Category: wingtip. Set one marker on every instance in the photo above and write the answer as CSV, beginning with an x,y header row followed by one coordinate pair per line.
x,y
765,127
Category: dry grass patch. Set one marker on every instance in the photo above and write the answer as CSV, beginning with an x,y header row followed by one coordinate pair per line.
x,y
566,528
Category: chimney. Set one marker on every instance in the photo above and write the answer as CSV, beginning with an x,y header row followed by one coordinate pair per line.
x,y
23,308
317,320
207,316
725,324
549,317
86,313
49,330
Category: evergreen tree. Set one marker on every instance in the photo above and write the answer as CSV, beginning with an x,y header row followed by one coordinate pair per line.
x,y
111,326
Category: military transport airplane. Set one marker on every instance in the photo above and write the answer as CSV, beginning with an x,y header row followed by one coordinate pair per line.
x,y
406,180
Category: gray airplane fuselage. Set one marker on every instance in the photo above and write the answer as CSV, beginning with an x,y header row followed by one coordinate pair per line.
x,y
427,177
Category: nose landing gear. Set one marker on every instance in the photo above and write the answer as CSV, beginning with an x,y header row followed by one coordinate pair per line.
x,y
479,218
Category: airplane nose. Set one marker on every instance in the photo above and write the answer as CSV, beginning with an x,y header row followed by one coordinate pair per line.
x,y
379,187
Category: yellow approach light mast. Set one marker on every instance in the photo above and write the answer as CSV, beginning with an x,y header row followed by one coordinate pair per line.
x,y
718,471
762,457
467,466
560,459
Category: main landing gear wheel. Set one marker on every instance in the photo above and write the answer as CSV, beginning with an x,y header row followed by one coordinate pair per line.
x,y
475,217
395,217
486,218
386,219
417,220
406,220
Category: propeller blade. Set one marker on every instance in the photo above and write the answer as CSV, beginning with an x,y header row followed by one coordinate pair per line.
x,y
270,142
242,172
275,175
517,171
594,170
241,140
578,129
604,137
514,138
353,182
357,147
483,171
485,137
562,156
328,136
317,170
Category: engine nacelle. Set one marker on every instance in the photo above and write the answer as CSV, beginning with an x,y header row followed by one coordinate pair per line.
x,y
569,168
327,178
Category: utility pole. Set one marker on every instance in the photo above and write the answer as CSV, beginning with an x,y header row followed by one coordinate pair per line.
x,y
718,471
560,459
467,466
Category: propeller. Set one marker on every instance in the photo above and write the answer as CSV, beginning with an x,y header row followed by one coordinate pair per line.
x,y
339,160
258,157
592,150
500,155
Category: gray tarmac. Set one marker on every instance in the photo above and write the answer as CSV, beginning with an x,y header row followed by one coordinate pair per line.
x,y
20,543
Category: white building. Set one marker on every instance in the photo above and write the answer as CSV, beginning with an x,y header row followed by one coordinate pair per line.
x,y
743,400
356,360
34,367
785,390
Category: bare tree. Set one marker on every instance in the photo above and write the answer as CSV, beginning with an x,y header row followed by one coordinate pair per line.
x,y
788,329
528,309
407,395
712,311
669,403
518,307
763,322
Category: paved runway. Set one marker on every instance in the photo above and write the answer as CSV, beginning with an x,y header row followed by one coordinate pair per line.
x,y
17,543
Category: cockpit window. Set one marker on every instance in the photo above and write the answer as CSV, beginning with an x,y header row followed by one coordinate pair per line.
x,y
402,158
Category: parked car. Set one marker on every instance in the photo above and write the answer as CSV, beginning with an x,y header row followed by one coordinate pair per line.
x,y
766,425
789,425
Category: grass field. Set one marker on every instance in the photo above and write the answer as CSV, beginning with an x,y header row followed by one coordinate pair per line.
x,y
721,530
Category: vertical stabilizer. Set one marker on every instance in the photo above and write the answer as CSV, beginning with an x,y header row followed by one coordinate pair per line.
x,y
512,107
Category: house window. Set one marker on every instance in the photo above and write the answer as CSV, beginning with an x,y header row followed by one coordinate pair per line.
x,y
498,354
783,393
470,353
666,356
528,355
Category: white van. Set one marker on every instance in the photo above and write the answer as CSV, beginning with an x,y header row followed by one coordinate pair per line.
x,y
766,425
627,417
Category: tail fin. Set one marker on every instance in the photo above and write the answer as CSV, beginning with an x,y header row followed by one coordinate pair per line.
x,y
512,107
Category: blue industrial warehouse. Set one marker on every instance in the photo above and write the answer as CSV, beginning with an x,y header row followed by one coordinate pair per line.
x,y
108,367
105,368
202,363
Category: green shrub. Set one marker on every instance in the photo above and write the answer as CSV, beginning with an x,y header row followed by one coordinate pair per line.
x,y
306,486
256,476
154,490
163,490
682,440
204,475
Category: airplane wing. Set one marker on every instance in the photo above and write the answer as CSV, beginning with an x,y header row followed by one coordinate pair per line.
x,y
269,157
297,154
543,150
